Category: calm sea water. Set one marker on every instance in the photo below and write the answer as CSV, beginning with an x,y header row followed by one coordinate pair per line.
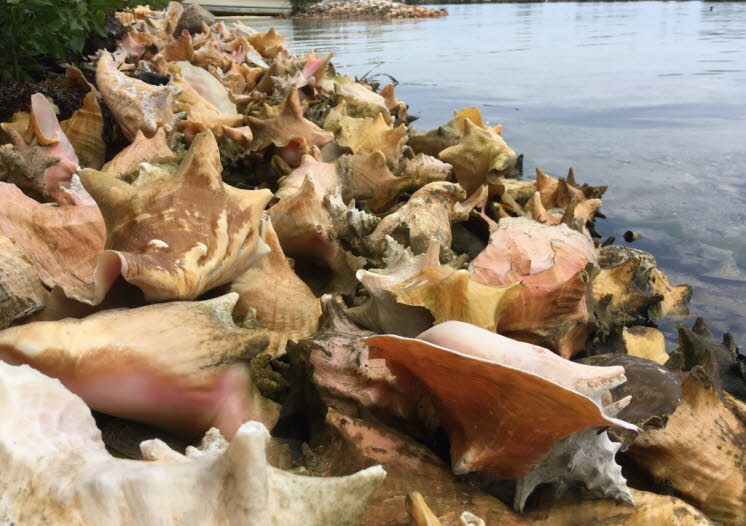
x,y
647,97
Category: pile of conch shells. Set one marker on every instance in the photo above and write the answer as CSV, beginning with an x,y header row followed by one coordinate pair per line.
x,y
368,324
369,8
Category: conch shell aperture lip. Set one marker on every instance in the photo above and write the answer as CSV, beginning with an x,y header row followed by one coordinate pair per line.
x,y
179,237
507,443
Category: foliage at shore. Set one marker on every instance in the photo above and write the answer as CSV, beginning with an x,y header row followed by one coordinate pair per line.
x,y
38,33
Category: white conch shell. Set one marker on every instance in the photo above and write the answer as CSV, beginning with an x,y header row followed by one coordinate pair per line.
x,y
57,472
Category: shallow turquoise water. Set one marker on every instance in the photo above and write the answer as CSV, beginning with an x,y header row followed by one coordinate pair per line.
x,y
647,97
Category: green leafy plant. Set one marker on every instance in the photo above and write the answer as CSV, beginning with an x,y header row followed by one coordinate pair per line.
x,y
35,33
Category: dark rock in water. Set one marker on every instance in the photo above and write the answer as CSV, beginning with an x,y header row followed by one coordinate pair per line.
x,y
192,18
697,342
154,78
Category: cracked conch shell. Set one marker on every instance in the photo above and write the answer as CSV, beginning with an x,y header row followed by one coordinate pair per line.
x,y
349,443
283,303
649,508
371,135
409,283
287,127
480,157
142,150
515,383
60,473
646,279
135,105
84,129
181,366
21,290
577,215
702,450
178,237
61,242
427,215
551,262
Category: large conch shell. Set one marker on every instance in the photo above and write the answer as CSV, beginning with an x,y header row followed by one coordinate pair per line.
x,y
287,127
142,150
134,104
701,451
551,263
178,237
427,215
60,473
442,137
480,157
204,98
269,44
421,281
21,290
182,366
283,304
84,129
350,444
62,242
503,376
649,508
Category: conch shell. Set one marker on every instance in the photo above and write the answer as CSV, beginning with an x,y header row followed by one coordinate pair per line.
x,y
85,132
134,104
61,474
269,44
371,135
697,343
21,290
701,451
480,157
551,262
61,242
142,150
427,215
644,278
649,508
288,127
420,281
189,361
176,238
350,443
283,304
503,377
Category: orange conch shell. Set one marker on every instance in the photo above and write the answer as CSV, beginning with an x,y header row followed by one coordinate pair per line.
x,y
134,104
61,242
516,384
178,237
397,107
142,150
182,366
21,290
366,177
85,131
269,44
701,451
551,262
480,157
283,304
